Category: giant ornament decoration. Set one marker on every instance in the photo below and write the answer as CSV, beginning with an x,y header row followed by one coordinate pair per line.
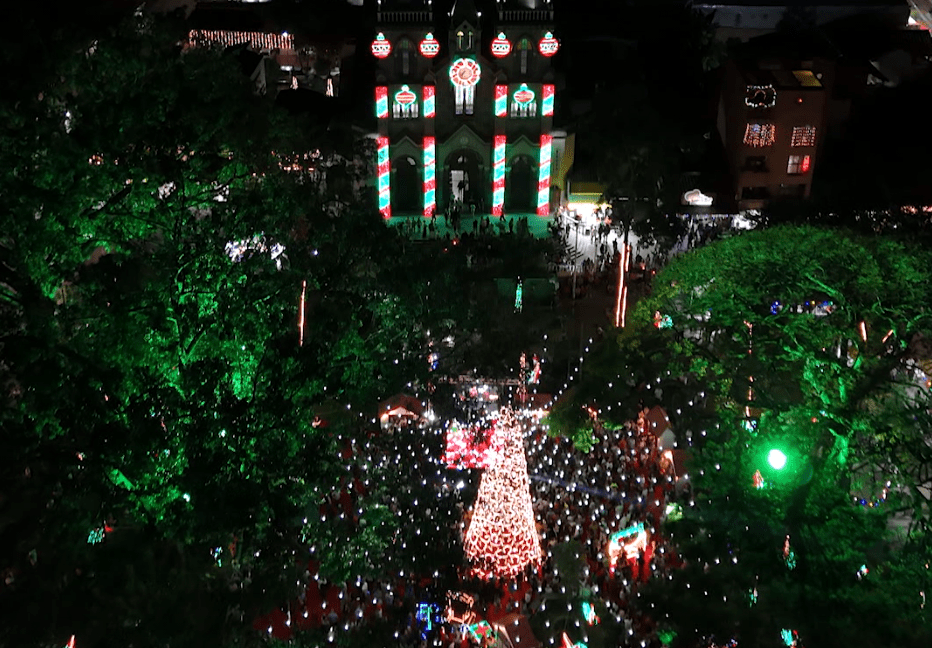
x,y
548,45
430,46
523,95
464,73
501,46
405,97
381,48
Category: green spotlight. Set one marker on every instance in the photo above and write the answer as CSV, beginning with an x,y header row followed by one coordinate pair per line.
x,y
776,459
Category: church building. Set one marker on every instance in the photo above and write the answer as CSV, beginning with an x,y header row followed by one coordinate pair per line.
x,y
464,100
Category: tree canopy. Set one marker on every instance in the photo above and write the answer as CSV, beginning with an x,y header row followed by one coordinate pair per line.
x,y
167,232
808,345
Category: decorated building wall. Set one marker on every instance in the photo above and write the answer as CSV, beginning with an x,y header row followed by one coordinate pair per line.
x,y
290,61
772,121
464,98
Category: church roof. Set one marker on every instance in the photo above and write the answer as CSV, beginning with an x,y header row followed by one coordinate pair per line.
x,y
464,10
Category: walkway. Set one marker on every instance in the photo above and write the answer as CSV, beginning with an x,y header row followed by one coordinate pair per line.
x,y
581,243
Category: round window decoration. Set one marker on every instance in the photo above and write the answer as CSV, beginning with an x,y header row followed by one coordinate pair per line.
x,y
523,95
501,46
760,96
548,45
464,73
429,47
405,97
381,48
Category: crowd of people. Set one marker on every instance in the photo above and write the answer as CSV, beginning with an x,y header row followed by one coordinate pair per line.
x,y
451,225
580,500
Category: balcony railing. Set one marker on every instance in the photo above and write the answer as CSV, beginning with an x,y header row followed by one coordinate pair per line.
x,y
527,15
405,16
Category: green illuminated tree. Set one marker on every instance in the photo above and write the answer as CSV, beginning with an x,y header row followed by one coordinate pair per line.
x,y
154,383
804,341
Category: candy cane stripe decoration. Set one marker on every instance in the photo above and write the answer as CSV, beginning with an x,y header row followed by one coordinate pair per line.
x,y
430,178
385,198
498,176
543,176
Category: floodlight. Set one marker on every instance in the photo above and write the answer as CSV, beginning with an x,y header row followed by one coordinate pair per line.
x,y
776,459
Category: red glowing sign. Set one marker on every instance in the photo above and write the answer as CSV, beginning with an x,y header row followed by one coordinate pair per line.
x,y
429,47
381,48
548,45
805,164
501,46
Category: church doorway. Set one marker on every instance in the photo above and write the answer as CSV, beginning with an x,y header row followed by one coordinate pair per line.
x,y
406,189
521,185
463,178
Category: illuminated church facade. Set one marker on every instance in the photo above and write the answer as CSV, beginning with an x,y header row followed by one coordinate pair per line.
x,y
464,101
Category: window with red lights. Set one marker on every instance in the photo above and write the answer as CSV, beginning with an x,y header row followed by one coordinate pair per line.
x,y
759,135
798,164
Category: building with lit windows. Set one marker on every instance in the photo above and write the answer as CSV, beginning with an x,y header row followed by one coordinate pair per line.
x,y
787,96
772,119
464,100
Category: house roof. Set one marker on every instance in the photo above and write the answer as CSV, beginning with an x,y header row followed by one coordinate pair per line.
x,y
464,10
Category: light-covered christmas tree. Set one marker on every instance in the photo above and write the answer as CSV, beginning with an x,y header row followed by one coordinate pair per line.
x,y
502,538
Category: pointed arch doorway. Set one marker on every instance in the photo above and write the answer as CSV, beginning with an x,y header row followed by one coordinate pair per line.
x,y
520,186
406,186
463,177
